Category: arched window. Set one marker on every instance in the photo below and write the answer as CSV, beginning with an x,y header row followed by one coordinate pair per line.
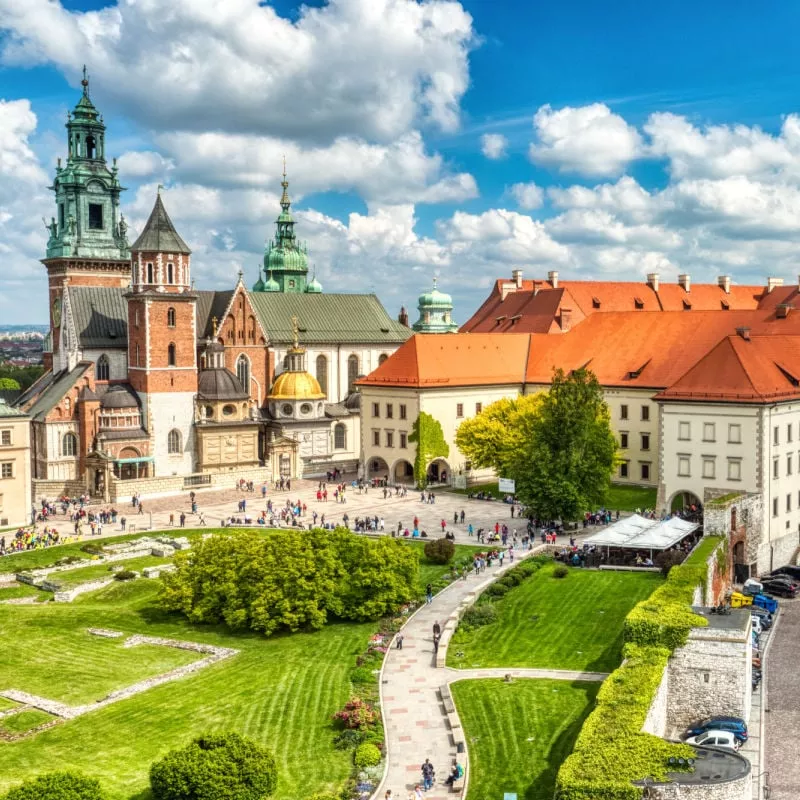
x,y
381,358
102,368
171,315
322,373
174,442
149,273
340,437
352,372
69,445
243,372
171,361
90,151
170,274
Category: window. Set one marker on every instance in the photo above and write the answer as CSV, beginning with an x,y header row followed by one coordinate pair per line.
x,y
340,437
684,467
789,464
734,433
229,411
623,469
774,506
102,368
709,432
322,373
5,438
174,442
644,471
402,411
389,411
171,360
149,273
390,438
243,372
69,445
789,432
67,404
623,440
709,468
136,318
478,408
403,440
7,469
95,217
306,408
376,438
776,435
645,413
623,412
61,217
775,468
734,469
170,274
788,503
645,441
459,410
171,317
381,358
352,372
684,431
376,409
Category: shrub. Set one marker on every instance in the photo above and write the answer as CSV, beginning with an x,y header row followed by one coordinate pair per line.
x,y
478,616
667,559
124,575
58,786
362,675
560,571
324,796
216,766
366,755
440,551
513,578
497,590
63,562
357,714
93,548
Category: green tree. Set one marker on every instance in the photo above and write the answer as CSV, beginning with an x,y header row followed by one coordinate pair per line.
x,y
440,551
564,463
57,786
216,767
9,383
428,434
492,438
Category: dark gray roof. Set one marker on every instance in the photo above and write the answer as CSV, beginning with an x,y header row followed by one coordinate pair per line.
x,y
327,318
336,410
8,411
210,305
100,314
62,382
120,396
219,384
159,234
353,401
129,433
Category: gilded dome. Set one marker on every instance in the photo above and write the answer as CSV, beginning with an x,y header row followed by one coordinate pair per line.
x,y
296,386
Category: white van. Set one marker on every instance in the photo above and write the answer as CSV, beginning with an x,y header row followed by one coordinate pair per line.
x,y
724,739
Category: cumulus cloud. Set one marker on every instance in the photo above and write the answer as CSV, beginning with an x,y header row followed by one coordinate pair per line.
x,y
528,195
493,145
589,140
143,164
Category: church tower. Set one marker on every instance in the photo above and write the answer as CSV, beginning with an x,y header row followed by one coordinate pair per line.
x,y
162,332
87,244
435,312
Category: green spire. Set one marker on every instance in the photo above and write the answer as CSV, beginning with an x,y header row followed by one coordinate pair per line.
x,y
435,312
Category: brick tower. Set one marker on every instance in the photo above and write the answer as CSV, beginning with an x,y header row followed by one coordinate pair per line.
x,y
162,356
87,244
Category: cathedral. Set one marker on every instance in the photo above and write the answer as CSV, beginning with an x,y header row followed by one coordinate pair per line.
x,y
154,386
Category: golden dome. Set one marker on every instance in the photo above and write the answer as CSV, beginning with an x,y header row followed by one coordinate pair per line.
x,y
296,386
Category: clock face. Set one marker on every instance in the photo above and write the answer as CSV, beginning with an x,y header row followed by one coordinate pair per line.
x,y
56,312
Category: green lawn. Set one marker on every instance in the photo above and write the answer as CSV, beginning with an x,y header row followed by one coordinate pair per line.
x,y
432,573
491,488
568,623
519,733
18,590
73,577
5,705
24,721
629,498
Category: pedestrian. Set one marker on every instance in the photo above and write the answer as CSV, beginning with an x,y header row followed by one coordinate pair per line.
x,y
436,628
399,641
427,775
388,795
429,593
141,507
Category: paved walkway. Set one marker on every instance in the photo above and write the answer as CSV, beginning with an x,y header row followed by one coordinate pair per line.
x,y
414,718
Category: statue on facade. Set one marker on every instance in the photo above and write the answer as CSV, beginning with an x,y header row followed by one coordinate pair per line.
x,y
52,227
71,223
123,228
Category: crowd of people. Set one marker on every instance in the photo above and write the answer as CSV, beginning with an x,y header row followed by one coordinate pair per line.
x,y
30,538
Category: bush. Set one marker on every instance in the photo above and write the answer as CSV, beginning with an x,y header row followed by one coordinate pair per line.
x,y
560,571
667,559
324,796
58,786
357,714
497,590
93,549
440,551
215,766
124,575
366,755
478,616
362,675
63,562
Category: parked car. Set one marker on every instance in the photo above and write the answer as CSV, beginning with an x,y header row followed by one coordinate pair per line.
x,y
764,617
779,588
756,623
787,579
715,738
722,723
790,570
752,587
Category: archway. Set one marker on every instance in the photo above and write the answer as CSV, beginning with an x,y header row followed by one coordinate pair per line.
x,y
685,503
403,472
128,471
439,471
377,468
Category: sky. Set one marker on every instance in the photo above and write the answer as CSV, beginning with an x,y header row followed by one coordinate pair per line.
x,y
422,138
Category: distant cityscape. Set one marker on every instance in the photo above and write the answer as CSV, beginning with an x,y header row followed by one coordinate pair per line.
x,y
22,345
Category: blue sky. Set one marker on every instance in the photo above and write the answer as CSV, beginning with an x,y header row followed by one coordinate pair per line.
x,y
624,137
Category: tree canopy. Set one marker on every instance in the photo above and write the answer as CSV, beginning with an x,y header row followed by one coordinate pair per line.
x,y
568,452
9,383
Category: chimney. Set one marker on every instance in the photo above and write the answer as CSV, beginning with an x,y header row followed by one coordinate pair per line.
x,y
685,282
724,283
772,283
402,317
744,333
566,319
516,276
552,276
652,281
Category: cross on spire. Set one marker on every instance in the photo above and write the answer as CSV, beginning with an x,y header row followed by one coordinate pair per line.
x,y
85,82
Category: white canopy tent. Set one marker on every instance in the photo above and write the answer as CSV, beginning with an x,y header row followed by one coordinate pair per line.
x,y
638,533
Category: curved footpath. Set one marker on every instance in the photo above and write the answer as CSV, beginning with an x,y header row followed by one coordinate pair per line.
x,y
413,713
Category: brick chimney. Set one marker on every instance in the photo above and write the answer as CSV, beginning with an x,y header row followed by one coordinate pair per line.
x,y
552,276
724,283
685,282
516,276
744,333
773,283
652,281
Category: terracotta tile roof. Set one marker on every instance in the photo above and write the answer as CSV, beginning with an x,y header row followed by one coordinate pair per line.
x,y
612,296
708,297
454,359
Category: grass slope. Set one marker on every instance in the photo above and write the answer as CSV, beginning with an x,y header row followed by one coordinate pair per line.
x,y
519,733
629,498
24,721
567,623
74,577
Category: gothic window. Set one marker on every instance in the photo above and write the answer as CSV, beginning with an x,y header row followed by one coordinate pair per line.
x,y
69,445
352,372
149,273
243,372
170,274
340,437
171,316
102,368
95,217
322,373
381,358
171,360
174,442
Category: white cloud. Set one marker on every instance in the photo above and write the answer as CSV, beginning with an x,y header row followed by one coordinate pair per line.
x,y
589,140
528,195
143,164
493,145
17,160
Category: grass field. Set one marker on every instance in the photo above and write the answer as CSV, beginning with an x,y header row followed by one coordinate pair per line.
x,y
18,590
73,577
24,721
519,733
629,498
568,623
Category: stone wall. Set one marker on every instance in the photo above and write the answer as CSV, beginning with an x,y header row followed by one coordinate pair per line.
x,y
122,491
69,595
656,722
748,510
740,788
53,489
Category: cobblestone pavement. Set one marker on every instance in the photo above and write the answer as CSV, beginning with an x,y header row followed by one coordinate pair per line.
x,y
783,706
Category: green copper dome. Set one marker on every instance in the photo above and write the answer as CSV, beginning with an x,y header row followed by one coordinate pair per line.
x,y
315,287
434,298
258,286
435,312
271,285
